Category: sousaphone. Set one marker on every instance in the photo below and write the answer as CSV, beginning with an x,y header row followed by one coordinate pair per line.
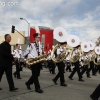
x,y
85,48
60,35
92,46
73,41
97,51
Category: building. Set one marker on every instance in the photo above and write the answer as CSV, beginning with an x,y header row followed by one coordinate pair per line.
x,y
16,38
46,37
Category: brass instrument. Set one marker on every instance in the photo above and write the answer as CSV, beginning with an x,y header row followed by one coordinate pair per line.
x,y
93,57
60,35
86,48
87,61
75,58
97,54
59,57
96,63
74,42
36,60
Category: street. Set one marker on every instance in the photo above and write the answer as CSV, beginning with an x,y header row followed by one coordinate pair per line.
x,y
75,90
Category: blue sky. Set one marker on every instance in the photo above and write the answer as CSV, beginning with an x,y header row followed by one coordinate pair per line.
x,y
78,17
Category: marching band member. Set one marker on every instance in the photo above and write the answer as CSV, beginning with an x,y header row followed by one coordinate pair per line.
x,y
76,68
98,66
33,50
91,64
60,66
17,53
68,63
85,67
74,42
6,59
22,59
51,64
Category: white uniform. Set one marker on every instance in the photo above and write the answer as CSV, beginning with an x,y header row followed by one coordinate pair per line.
x,y
68,60
59,50
84,58
32,50
98,59
17,53
49,57
75,52
91,54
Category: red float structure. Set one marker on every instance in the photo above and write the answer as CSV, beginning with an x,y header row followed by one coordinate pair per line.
x,y
46,37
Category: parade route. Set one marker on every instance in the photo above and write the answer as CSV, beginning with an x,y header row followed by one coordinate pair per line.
x,y
75,90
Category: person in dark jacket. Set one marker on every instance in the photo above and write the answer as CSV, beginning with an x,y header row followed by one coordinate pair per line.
x,y
6,59
96,93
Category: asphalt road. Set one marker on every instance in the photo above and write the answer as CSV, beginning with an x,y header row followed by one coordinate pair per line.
x,y
74,91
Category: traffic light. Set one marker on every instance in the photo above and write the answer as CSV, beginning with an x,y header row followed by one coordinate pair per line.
x,y
13,29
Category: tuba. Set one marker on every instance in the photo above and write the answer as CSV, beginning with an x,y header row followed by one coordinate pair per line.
x,y
59,57
92,52
85,48
74,41
60,35
97,51
87,61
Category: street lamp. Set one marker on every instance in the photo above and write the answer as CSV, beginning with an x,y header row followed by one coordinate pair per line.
x,y
28,25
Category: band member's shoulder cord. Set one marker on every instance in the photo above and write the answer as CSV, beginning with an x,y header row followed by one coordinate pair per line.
x,y
37,48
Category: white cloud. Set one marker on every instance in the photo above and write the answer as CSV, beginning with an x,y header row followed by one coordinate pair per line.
x,y
76,16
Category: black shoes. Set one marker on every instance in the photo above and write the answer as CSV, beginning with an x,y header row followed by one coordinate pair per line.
x,y
70,78
19,78
93,98
28,86
54,81
39,91
53,73
88,77
14,75
94,74
13,89
81,80
63,84
0,88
